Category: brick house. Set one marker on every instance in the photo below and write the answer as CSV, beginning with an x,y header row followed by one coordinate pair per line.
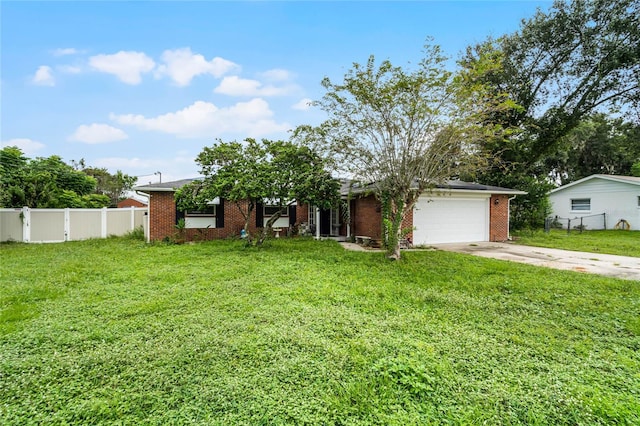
x,y
455,212
222,219
131,202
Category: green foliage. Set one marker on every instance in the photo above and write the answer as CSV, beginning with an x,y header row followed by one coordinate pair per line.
x,y
599,144
401,130
114,186
307,333
44,183
135,234
247,173
635,169
561,66
13,166
96,201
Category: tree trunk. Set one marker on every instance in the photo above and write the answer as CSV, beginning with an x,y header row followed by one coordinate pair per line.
x,y
247,217
394,252
399,207
267,227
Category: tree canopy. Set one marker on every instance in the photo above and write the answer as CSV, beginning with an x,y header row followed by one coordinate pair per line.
x,y
400,131
114,186
48,182
579,57
248,173
599,144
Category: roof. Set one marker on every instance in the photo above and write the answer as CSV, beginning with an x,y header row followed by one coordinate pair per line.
x,y
468,186
164,186
347,186
450,185
633,180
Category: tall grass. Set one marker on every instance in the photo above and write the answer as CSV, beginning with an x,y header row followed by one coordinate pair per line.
x,y
116,331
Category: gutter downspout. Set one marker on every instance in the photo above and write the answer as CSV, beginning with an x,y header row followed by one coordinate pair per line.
x,y
509,217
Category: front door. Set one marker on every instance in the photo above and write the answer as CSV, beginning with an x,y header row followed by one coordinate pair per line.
x,y
325,221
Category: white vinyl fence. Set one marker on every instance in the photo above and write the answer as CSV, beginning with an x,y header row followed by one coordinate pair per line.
x,y
58,225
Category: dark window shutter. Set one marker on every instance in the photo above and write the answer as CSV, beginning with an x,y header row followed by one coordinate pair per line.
x,y
259,216
179,214
220,214
292,215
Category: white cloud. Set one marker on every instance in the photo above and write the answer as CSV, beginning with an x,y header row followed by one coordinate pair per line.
x,y
303,104
97,133
181,65
44,77
65,51
236,86
28,146
204,119
277,74
126,65
69,69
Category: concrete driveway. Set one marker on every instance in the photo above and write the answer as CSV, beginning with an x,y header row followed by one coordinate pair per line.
x,y
595,263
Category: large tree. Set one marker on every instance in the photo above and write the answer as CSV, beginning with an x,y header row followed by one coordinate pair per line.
x,y
44,182
114,186
579,57
599,144
248,173
400,131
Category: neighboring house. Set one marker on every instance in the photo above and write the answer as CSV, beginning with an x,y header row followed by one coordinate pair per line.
x,y
456,212
618,197
131,202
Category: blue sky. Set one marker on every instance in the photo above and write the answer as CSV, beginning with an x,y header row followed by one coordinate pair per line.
x,y
144,86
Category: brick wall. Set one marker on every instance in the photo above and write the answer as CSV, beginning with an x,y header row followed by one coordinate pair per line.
x,y
408,223
162,210
162,215
499,218
130,202
367,217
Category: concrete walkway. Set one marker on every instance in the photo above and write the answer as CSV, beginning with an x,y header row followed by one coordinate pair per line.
x,y
594,263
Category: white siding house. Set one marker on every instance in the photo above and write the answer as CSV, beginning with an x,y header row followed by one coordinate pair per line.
x,y
617,196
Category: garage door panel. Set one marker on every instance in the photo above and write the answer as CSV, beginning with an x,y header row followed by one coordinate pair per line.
x,y
449,220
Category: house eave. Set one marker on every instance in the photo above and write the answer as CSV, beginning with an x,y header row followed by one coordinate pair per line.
x,y
613,178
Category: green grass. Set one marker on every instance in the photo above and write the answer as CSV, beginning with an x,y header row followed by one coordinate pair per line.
x,y
625,243
303,332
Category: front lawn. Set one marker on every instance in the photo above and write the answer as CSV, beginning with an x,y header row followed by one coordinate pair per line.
x,y
625,243
116,331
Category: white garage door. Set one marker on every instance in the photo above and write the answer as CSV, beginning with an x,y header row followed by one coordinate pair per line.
x,y
450,220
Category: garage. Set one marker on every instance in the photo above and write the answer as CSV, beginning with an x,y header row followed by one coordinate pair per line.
x,y
451,219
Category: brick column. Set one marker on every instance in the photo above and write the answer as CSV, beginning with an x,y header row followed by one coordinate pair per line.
x,y
499,218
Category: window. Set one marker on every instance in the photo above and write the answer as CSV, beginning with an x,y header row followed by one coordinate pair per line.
x,y
271,210
581,204
209,211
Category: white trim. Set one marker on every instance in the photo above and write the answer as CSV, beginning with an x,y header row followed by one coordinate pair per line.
x,y
614,178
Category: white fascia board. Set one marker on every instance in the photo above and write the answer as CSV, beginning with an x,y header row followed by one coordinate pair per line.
x,y
613,178
147,189
488,193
